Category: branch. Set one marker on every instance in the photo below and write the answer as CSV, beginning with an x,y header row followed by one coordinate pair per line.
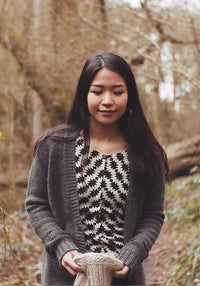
x,y
178,20
175,67
193,29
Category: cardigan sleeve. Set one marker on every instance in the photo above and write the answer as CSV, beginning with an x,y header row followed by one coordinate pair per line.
x,y
55,240
149,226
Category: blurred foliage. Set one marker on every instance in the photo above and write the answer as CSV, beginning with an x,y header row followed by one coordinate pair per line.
x,y
183,218
1,135
20,251
4,159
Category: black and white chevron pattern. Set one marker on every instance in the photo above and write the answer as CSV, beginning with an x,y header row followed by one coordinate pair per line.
x,y
102,188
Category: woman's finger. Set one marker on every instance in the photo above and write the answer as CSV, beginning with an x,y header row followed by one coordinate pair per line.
x,y
70,270
69,264
123,272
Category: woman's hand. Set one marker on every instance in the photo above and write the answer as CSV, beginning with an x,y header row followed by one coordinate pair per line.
x,y
68,262
123,272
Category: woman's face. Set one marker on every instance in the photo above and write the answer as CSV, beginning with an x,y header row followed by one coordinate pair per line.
x,y
107,98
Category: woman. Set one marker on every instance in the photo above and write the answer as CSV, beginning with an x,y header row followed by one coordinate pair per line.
x,y
97,183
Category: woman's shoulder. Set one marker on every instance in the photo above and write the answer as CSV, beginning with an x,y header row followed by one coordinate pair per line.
x,y
64,132
61,133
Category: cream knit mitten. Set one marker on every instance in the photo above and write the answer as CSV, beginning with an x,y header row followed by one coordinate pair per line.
x,y
98,269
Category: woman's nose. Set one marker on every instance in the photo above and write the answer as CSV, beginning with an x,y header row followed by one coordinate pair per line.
x,y
107,99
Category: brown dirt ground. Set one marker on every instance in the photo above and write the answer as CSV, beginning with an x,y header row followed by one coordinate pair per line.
x,y
161,259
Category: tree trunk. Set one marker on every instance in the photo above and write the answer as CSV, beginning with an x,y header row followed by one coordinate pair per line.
x,y
10,137
157,123
183,156
37,116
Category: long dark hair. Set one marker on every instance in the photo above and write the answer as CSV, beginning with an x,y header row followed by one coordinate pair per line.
x,y
145,149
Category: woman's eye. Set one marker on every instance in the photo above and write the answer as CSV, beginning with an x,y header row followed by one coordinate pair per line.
x,y
97,92
118,92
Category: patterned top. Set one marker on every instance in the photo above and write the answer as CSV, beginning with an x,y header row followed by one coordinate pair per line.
x,y
102,188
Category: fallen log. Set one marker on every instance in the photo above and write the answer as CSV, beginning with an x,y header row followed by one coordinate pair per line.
x,y
184,156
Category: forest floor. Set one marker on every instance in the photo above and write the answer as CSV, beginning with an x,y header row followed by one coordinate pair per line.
x,y
20,249
161,260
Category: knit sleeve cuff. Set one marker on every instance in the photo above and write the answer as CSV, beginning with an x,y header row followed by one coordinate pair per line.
x,y
128,258
63,247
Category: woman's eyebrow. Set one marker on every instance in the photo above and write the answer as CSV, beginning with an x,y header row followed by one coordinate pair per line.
x,y
118,85
97,85
113,86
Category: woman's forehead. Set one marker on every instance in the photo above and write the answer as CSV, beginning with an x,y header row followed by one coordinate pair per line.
x,y
107,77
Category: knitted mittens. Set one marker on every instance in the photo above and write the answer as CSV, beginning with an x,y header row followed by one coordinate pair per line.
x,y
97,268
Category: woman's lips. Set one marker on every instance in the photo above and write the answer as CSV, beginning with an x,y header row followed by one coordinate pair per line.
x,y
107,112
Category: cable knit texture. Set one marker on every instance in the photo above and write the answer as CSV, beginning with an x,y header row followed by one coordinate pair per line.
x,y
98,269
53,208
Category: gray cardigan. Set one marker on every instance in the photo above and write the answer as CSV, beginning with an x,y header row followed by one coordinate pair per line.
x,y
52,206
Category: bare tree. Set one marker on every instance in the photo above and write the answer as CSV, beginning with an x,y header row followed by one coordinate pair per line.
x,y
43,45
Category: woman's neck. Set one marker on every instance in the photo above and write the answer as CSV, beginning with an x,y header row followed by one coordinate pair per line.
x,y
105,134
107,140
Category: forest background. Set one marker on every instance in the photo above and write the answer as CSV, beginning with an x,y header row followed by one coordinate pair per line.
x,y
43,45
